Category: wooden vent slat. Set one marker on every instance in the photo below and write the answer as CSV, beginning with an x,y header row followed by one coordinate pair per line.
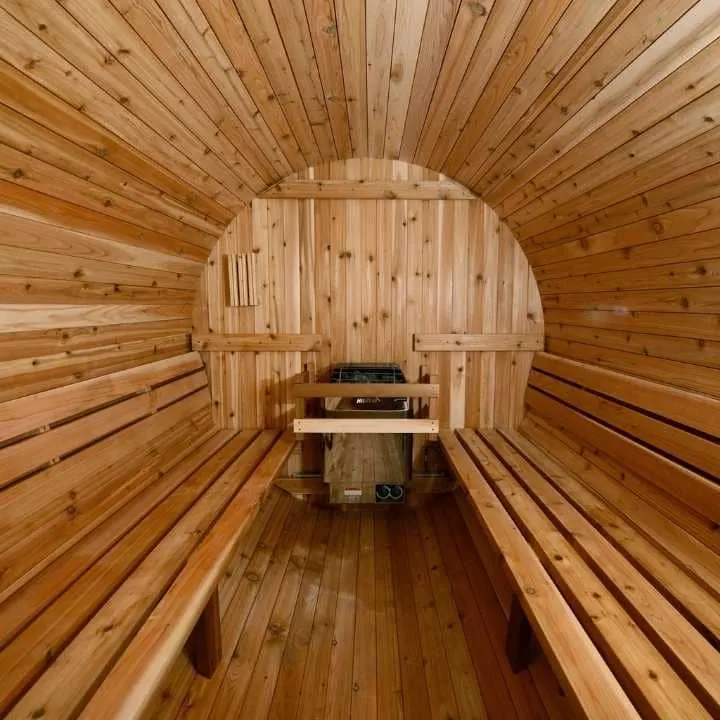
x,y
241,280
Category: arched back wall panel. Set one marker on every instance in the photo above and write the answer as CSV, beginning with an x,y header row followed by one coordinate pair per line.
x,y
366,276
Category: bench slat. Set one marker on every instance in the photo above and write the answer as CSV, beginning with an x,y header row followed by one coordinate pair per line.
x,y
646,675
18,611
69,682
697,492
639,528
48,512
690,654
574,657
130,685
28,413
25,658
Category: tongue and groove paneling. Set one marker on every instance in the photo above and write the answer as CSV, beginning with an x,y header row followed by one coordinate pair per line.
x,y
366,275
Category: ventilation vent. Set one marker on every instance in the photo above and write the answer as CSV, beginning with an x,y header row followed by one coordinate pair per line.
x,y
241,280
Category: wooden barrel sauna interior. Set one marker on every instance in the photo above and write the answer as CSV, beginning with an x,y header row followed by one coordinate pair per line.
x,y
205,205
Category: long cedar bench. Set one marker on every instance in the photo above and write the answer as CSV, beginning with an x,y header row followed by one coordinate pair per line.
x,y
614,571
121,505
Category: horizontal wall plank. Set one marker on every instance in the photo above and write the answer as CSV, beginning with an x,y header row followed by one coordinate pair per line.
x,y
676,442
691,325
671,372
24,202
691,409
24,262
695,351
36,343
369,190
441,342
32,375
683,300
344,390
365,426
281,342
20,318
18,417
32,290
689,487
28,233
31,453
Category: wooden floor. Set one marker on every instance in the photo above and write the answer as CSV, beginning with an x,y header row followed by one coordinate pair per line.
x,y
360,614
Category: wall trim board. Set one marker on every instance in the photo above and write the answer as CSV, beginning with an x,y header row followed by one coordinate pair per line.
x,y
368,190
282,342
451,342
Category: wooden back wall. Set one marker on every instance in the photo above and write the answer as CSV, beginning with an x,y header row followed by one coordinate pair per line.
x,y
367,275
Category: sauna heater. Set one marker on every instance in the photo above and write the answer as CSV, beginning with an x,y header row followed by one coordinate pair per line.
x,y
367,468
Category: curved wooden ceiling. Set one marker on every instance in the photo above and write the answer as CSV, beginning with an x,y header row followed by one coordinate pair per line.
x,y
183,109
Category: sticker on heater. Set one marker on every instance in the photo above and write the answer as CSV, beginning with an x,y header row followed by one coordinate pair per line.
x,y
351,492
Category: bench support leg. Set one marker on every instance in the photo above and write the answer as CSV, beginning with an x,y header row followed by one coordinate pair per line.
x,y
205,643
520,645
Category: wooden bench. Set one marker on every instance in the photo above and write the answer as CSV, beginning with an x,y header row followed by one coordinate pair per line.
x,y
121,506
623,601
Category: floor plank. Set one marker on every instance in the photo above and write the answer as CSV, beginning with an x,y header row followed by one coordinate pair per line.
x,y
292,668
384,613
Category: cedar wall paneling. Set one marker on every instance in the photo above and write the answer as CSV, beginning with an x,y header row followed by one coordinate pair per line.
x,y
366,275
77,303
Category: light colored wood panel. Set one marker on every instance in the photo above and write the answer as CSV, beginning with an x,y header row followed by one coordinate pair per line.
x,y
690,488
660,118
692,350
352,37
614,41
675,442
691,409
691,33
380,29
697,246
15,318
16,346
251,126
26,136
315,141
30,290
28,263
705,273
705,327
283,342
38,207
671,372
51,70
27,233
515,35
410,18
226,24
467,31
526,571
477,343
369,190
577,34
667,169
439,18
126,25
682,300
41,410
353,425
49,111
